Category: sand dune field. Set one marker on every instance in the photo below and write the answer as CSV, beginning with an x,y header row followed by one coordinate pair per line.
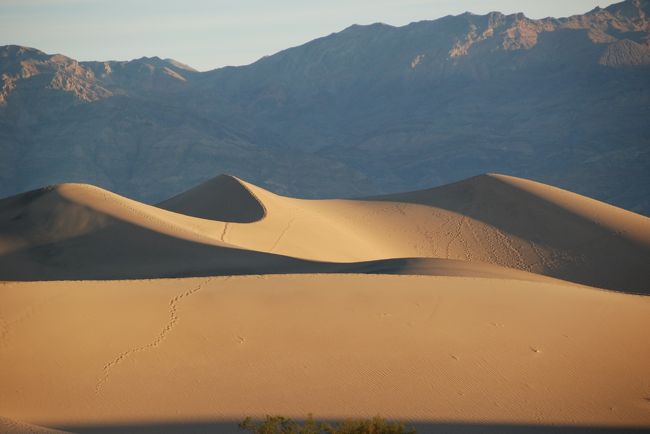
x,y
495,304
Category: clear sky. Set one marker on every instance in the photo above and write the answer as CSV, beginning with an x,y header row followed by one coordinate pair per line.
x,y
207,34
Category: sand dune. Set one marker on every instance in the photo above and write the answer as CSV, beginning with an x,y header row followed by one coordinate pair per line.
x,y
227,226
470,307
83,232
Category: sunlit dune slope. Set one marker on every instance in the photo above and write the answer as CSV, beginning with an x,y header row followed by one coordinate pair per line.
x,y
427,348
227,226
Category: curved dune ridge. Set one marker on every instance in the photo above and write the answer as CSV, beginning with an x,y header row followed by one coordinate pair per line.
x,y
227,226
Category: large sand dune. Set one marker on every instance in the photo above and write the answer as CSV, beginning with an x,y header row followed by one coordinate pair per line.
x,y
227,226
475,307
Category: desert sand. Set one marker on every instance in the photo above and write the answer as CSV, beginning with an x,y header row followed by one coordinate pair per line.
x,y
495,303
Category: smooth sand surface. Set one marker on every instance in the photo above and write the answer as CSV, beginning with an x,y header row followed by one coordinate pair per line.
x,y
76,231
472,307
426,348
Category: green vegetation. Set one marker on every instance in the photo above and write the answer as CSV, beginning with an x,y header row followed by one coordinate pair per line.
x,y
283,425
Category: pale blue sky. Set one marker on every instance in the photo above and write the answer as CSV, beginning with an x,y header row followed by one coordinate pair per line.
x,y
208,34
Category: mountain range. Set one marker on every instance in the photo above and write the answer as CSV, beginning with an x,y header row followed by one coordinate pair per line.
x,y
369,110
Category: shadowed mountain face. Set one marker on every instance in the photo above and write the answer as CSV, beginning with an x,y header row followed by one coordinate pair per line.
x,y
371,109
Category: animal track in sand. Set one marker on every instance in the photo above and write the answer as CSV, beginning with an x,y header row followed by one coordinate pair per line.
x,y
282,233
455,235
517,256
543,260
223,233
430,235
167,328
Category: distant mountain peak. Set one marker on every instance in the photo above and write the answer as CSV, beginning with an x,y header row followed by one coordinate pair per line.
x,y
367,27
19,51
630,8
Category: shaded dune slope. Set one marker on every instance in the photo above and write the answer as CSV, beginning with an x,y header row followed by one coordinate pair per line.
x,y
548,230
491,225
222,198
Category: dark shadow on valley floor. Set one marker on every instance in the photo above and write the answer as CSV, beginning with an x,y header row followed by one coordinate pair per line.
x,y
227,427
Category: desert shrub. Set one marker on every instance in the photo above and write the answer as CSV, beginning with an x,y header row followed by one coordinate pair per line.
x,y
283,425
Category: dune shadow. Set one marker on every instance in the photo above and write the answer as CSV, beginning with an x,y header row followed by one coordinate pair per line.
x,y
223,198
149,255
230,427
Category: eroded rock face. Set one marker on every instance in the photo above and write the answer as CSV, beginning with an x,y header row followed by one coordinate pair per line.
x,y
517,32
21,66
368,110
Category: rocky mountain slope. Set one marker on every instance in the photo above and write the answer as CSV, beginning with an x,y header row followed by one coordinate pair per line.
x,y
380,108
